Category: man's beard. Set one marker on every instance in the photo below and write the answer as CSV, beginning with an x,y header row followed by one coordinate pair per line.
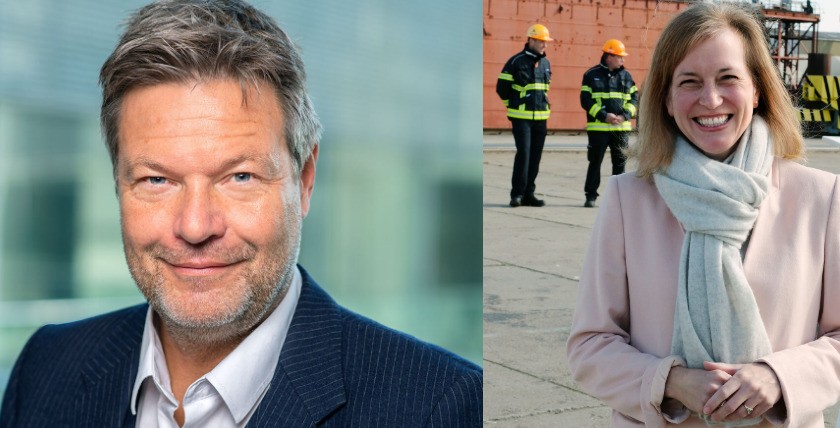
x,y
250,294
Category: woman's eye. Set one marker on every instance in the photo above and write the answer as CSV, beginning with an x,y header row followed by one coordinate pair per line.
x,y
242,177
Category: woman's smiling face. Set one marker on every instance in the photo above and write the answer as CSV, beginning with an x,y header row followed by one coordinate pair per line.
x,y
712,95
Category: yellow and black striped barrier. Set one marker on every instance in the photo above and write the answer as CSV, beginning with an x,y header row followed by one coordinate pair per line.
x,y
823,89
814,115
819,102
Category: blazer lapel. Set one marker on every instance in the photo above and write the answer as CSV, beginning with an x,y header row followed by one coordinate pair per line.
x,y
109,375
307,386
308,383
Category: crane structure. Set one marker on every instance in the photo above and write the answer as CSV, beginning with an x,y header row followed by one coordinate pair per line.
x,y
786,32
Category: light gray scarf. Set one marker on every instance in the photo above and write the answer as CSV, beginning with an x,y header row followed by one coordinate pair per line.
x,y
716,317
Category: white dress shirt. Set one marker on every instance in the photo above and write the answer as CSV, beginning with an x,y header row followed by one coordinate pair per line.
x,y
229,394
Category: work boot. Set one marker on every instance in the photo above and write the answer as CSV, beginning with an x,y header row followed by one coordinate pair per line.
x,y
532,201
590,202
516,201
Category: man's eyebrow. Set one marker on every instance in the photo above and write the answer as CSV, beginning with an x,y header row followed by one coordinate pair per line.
x,y
143,161
264,161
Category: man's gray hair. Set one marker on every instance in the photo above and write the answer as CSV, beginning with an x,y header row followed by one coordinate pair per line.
x,y
186,41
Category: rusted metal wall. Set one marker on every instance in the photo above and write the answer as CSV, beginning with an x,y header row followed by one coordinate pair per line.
x,y
580,28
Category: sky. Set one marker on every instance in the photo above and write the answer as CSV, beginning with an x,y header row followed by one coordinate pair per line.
x,y
830,17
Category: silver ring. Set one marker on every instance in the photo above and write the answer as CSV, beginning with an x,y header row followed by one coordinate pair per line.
x,y
749,409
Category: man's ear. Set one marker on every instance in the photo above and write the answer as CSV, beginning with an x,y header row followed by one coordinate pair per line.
x,y
307,181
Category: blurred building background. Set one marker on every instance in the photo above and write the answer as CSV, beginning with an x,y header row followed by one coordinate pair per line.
x,y
395,227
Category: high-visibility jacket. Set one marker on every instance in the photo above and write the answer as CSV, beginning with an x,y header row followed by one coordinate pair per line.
x,y
604,91
523,86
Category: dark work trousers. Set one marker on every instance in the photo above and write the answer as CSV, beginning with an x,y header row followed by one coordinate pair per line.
x,y
529,136
598,143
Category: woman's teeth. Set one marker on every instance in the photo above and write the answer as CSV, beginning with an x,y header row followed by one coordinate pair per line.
x,y
712,121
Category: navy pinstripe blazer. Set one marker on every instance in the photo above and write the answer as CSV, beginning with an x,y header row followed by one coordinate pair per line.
x,y
336,369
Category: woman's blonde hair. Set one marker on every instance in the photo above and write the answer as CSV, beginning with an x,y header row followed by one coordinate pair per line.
x,y
698,23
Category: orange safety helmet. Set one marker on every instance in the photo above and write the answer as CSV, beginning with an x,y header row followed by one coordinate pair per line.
x,y
539,32
614,47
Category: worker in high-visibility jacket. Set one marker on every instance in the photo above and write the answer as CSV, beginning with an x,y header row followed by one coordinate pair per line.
x,y
523,88
610,98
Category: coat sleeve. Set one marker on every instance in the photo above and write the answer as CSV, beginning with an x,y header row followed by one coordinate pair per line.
x,y
504,83
810,373
588,102
600,354
632,105
517,74
522,71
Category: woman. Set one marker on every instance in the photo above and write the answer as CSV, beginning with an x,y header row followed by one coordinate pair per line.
x,y
711,287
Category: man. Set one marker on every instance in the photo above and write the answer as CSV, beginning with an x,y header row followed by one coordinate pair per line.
x,y
523,87
610,98
214,143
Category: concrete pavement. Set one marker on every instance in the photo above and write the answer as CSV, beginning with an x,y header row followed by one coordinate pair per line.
x,y
532,262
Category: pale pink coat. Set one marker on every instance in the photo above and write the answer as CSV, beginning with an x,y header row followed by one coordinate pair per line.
x,y
620,339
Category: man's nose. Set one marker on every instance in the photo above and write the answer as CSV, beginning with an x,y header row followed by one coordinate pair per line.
x,y
200,216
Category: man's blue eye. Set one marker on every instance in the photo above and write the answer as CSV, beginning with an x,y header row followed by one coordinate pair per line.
x,y
157,180
242,177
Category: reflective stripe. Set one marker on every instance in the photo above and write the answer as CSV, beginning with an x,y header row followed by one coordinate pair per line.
x,y
601,126
528,115
630,108
506,76
633,90
542,115
506,102
531,87
612,95
585,88
595,109
522,92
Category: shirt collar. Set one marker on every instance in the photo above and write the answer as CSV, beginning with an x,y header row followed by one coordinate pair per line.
x,y
243,376
150,361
